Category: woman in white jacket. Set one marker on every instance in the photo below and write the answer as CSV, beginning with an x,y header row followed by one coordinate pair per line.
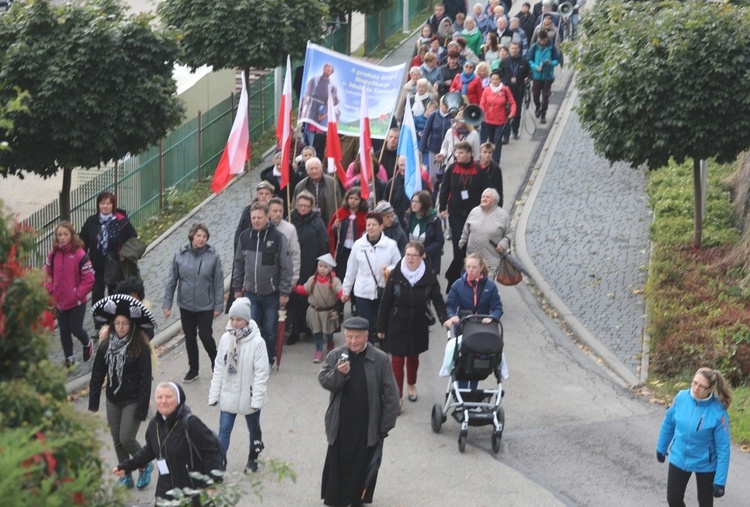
x,y
365,271
240,378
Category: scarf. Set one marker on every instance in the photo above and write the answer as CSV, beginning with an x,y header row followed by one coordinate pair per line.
x,y
116,351
496,89
465,80
104,221
418,107
470,32
235,335
413,276
443,114
461,132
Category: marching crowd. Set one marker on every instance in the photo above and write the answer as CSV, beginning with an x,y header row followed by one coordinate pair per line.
x,y
312,248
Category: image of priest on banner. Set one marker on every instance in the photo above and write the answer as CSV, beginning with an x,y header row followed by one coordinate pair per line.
x,y
315,100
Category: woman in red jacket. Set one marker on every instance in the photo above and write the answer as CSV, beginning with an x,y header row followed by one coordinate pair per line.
x,y
70,278
468,84
499,107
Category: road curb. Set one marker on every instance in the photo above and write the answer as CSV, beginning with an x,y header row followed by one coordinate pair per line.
x,y
574,324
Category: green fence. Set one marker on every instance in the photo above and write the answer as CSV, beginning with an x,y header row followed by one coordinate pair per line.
x,y
336,38
140,182
381,26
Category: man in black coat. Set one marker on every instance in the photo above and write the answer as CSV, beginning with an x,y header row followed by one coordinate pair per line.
x,y
515,71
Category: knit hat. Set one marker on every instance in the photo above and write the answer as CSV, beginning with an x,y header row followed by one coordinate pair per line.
x,y
383,207
241,309
265,184
328,259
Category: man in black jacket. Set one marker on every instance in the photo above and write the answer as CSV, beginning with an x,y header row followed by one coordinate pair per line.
x,y
263,273
515,72
460,192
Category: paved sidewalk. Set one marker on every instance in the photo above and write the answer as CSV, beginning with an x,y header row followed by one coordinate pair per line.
x,y
587,233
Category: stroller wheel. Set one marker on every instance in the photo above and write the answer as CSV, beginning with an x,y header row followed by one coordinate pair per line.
x,y
496,436
437,417
501,420
462,437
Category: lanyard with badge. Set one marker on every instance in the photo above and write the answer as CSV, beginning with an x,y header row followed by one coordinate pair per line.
x,y
161,463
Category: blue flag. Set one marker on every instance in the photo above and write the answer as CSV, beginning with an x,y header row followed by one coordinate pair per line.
x,y
409,148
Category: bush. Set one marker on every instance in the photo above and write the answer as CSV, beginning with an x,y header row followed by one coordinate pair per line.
x,y
48,453
699,311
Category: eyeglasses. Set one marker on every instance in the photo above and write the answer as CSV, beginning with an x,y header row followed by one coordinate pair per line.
x,y
697,384
416,201
412,256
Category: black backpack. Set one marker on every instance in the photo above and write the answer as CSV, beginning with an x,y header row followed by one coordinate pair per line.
x,y
195,453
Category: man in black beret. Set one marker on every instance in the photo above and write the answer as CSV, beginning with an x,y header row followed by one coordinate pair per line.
x,y
362,409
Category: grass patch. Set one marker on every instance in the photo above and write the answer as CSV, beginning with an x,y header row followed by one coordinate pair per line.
x,y
699,310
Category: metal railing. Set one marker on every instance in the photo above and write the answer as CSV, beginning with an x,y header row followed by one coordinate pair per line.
x,y
388,22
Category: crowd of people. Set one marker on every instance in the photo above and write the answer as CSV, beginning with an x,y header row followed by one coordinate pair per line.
x,y
313,247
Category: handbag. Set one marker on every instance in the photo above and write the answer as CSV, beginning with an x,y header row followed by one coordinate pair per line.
x,y
381,290
507,274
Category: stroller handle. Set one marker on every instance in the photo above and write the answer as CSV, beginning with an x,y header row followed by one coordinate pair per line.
x,y
477,318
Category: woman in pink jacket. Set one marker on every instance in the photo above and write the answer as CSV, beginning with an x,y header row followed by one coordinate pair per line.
x,y
499,107
70,278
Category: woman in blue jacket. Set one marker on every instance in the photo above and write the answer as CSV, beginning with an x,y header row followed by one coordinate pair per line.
x,y
695,435
473,293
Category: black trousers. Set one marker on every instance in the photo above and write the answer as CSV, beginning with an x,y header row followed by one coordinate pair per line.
x,y
203,322
677,481
543,88
71,324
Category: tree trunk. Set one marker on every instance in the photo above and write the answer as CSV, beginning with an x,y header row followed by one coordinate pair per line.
x,y
698,204
65,194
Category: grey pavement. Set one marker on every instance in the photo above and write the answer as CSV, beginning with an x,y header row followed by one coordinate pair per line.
x,y
587,233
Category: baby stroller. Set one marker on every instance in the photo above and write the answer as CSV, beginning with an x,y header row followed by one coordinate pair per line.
x,y
478,353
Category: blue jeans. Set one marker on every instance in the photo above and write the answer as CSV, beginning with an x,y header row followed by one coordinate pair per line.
x,y
226,423
368,309
264,310
318,338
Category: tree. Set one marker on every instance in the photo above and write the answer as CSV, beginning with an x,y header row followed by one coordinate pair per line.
x,y
230,34
666,80
47,453
100,85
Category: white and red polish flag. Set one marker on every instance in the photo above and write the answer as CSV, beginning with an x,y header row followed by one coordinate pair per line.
x,y
284,125
333,144
237,150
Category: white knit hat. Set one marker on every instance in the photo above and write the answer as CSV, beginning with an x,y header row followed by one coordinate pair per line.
x,y
241,309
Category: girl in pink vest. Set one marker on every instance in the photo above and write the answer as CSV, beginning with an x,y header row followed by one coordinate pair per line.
x,y
70,278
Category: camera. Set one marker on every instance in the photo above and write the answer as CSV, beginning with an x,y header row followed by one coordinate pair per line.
x,y
344,357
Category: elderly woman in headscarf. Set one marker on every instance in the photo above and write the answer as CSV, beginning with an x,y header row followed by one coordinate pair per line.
x,y
445,30
488,231
168,440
